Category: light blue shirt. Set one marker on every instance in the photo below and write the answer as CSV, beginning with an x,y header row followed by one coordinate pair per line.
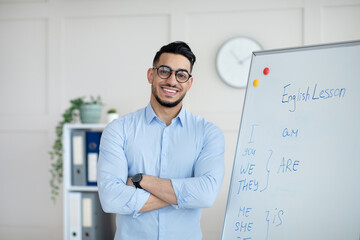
x,y
189,152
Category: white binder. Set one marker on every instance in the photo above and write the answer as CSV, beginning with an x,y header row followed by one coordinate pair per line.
x,y
75,216
96,224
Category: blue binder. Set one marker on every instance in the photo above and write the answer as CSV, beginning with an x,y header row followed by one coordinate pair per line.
x,y
92,155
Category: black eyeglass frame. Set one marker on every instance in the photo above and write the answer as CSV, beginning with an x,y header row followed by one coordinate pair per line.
x,y
171,71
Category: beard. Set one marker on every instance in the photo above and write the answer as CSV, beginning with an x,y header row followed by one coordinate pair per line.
x,y
166,103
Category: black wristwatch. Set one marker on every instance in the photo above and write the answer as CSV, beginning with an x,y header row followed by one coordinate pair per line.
x,y
136,180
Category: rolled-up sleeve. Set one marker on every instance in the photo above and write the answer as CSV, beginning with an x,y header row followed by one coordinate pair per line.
x,y
201,190
115,195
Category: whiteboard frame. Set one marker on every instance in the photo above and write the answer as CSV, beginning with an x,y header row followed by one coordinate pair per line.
x,y
307,47
268,52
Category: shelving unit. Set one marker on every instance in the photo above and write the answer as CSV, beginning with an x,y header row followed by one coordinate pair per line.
x,y
67,164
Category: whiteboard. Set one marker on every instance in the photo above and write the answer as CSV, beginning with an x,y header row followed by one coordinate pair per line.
x,y
296,172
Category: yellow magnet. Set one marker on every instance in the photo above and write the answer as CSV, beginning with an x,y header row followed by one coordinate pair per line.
x,y
255,83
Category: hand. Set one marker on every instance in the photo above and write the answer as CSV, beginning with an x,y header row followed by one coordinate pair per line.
x,y
129,182
238,59
243,60
235,56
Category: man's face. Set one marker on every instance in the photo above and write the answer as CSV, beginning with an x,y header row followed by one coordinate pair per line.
x,y
169,92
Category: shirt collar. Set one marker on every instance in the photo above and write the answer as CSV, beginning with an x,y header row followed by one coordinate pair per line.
x,y
181,116
150,115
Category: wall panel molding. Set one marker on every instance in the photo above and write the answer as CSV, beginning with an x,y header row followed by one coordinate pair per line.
x,y
55,50
24,70
336,21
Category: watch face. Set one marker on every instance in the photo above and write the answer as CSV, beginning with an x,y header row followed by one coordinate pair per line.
x,y
233,60
137,178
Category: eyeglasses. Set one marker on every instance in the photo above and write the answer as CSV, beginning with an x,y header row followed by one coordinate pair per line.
x,y
165,72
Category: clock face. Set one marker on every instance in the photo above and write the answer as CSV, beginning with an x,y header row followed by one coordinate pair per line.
x,y
233,60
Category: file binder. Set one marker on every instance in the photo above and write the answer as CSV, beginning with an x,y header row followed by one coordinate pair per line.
x,y
92,149
96,224
75,227
78,148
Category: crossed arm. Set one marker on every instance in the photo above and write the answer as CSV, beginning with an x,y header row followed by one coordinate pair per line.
x,y
161,192
118,195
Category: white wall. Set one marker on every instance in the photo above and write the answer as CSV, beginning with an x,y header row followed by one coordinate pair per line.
x,y
53,51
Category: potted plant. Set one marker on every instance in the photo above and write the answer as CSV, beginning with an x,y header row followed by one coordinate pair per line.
x,y
56,154
90,112
112,114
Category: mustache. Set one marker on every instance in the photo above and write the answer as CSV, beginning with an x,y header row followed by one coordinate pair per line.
x,y
171,86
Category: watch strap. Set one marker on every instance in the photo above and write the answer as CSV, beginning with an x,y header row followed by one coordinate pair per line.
x,y
137,185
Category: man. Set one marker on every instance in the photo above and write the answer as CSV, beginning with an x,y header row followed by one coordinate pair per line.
x,y
159,166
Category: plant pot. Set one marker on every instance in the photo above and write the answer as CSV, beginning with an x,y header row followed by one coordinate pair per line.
x,y
90,113
112,116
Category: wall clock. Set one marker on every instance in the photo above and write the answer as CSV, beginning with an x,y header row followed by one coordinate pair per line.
x,y
233,60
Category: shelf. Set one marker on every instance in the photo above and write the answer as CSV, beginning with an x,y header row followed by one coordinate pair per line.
x,y
83,189
85,126
73,194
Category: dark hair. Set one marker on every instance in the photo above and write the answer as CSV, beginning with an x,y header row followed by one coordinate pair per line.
x,y
177,47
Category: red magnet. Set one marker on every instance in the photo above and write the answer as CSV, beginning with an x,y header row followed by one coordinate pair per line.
x,y
266,71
